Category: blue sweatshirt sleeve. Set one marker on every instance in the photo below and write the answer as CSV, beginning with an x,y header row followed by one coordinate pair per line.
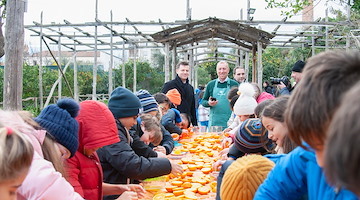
x,y
288,178
168,121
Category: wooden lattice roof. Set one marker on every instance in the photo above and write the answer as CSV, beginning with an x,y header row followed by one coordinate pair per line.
x,y
234,32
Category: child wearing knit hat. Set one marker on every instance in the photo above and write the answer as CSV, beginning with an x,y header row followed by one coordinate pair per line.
x,y
244,108
121,162
174,96
83,170
251,138
150,106
59,122
244,176
147,101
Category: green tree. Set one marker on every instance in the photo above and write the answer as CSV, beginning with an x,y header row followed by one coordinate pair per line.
x,y
149,78
293,7
203,76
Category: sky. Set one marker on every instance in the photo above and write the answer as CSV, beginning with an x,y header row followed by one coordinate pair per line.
x,y
81,11
146,10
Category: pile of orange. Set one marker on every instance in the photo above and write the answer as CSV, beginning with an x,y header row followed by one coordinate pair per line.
x,y
196,180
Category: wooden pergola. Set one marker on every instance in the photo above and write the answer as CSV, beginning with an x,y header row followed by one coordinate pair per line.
x,y
244,36
191,39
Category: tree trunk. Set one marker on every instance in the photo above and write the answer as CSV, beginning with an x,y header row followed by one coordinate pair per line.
x,y
2,41
14,45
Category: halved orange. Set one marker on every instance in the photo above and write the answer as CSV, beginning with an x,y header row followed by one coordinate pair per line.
x,y
206,170
177,183
203,190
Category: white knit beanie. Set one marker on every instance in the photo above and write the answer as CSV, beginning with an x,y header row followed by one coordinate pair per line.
x,y
246,103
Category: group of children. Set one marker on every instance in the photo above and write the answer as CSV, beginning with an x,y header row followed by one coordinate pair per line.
x,y
315,133
302,146
86,150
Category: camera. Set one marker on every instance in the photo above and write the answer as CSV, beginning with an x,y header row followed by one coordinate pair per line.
x,y
212,98
284,79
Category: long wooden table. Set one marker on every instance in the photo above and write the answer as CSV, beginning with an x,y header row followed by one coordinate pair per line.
x,y
196,154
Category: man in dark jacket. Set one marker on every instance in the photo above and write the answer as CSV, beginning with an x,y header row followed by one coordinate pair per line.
x,y
119,161
181,83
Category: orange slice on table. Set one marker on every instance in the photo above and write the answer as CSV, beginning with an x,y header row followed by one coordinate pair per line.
x,y
177,183
185,160
192,167
190,195
178,192
168,195
186,185
203,190
206,170
160,196
175,136
170,188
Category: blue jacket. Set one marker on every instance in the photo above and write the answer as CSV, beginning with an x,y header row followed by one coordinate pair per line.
x,y
168,120
296,175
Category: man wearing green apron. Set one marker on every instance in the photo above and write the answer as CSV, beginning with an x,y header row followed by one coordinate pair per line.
x,y
215,96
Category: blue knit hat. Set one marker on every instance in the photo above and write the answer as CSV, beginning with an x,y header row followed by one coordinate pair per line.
x,y
252,137
147,101
123,103
58,120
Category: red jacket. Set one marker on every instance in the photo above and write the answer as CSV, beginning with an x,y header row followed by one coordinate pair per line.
x,y
97,128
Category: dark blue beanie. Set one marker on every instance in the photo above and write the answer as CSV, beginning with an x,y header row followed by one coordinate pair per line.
x,y
298,66
123,103
59,121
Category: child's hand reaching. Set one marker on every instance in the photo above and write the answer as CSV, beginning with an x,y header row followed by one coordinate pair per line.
x,y
160,149
160,154
217,165
226,142
227,130
140,191
176,169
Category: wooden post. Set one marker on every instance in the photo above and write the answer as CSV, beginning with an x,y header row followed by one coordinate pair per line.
x,y
95,57
76,87
247,59
312,42
60,65
254,80
135,70
41,94
326,27
167,74
241,58
14,49
237,58
195,66
191,63
111,56
259,66
347,42
173,65
123,62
